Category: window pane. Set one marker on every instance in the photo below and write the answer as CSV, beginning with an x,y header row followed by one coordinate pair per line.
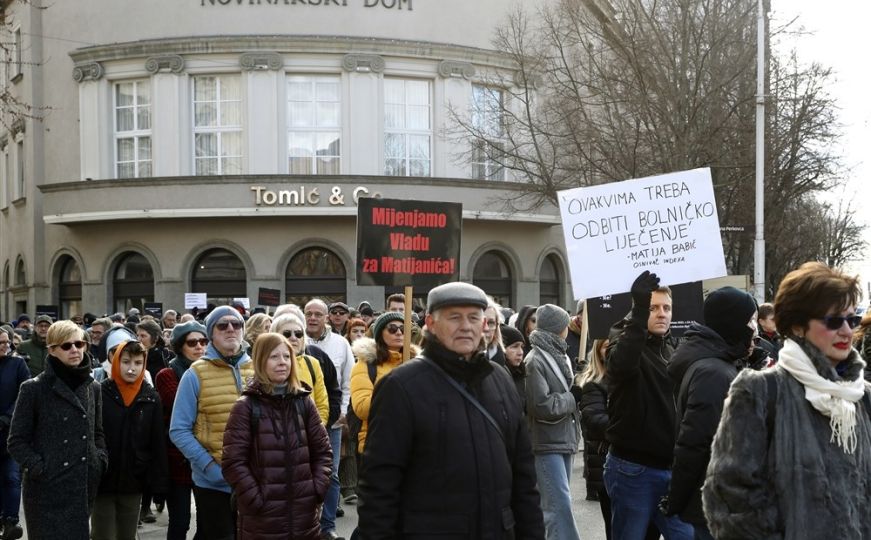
x,y
418,167
126,170
327,114
418,146
299,90
418,118
328,166
394,167
394,145
207,166
205,114
206,144
144,148
327,91
300,165
205,89
394,91
299,144
143,118
394,116
230,88
231,143
231,165
231,114
301,114
125,120
328,144
144,169
126,149
417,92
124,94
143,93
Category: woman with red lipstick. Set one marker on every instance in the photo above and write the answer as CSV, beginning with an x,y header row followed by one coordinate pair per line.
x,y
792,455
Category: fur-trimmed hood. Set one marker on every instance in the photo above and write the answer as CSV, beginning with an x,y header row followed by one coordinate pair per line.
x,y
365,350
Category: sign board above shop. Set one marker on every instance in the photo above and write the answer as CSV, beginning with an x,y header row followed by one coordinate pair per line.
x,y
408,242
666,224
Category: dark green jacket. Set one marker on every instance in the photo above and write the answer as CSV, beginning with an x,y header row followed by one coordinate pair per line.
x,y
35,350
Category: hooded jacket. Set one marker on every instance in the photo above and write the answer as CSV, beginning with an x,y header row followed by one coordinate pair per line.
x,y
36,351
279,466
641,416
702,368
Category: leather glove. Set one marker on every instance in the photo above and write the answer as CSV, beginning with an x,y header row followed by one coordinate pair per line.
x,y
642,288
576,393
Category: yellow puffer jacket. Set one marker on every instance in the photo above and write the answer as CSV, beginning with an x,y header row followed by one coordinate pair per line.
x,y
306,368
219,390
362,387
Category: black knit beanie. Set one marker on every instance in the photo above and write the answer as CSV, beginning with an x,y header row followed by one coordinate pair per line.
x,y
727,312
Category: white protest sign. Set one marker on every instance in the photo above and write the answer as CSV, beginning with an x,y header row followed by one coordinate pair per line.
x,y
195,300
245,302
666,224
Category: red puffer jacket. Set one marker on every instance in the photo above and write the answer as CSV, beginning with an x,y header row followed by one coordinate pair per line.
x,y
278,464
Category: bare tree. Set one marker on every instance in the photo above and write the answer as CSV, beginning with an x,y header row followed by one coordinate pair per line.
x,y
14,110
609,90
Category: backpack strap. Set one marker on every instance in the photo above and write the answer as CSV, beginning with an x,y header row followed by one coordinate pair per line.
x,y
373,372
311,369
771,405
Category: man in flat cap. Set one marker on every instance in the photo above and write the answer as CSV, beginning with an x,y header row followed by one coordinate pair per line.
x,y
447,452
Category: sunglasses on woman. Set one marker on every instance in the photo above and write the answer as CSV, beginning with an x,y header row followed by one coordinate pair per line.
x,y
296,333
70,344
395,328
834,322
223,325
193,342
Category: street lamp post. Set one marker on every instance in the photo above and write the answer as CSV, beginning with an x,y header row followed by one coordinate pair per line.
x,y
759,241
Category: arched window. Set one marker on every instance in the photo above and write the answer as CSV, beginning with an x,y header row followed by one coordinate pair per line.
x,y
221,275
133,283
493,274
20,276
550,282
70,288
315,273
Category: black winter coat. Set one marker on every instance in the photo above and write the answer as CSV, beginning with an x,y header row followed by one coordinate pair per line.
x,y
434,467
279,465
641,426
57,438
331,381
702,369
135,440
594,422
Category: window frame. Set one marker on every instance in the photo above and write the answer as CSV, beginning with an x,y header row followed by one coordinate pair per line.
x,y
483,167
314,130
20,180
218,130
136,134
16,57
405,132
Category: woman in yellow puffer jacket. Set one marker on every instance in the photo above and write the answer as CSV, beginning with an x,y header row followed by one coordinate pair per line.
x,y
385,353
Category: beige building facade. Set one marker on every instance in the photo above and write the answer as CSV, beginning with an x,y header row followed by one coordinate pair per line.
x,y
220,146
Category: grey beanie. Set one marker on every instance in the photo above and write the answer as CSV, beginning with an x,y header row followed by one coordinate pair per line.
x,y
456,293
381,323
551,318
217,314
181,331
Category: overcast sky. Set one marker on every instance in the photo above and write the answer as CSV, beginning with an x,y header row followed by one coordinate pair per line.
x,y
838,37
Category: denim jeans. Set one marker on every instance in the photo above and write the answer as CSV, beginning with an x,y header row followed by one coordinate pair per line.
x,y
10,490
635,491
331,501
178,506
554,473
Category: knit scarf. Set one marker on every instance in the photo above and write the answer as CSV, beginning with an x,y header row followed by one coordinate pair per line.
x,y
556,347
128,390
835,399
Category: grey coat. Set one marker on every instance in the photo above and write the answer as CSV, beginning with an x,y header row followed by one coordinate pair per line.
x,y
57,437
801,485
553,414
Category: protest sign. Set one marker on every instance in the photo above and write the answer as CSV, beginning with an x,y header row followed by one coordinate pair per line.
x,y
408,242
667,224
50,310
195,300
687,307
155,309
268,297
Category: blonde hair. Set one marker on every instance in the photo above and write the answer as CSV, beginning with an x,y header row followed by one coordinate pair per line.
x,y
595,370
266,343
62,331
254,327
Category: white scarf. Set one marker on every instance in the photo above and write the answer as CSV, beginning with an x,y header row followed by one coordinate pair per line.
x,y
837,400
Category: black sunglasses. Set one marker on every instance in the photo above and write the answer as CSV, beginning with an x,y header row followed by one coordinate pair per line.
x,y
338,312
193,342
237,325
297,333
834,322
70,344
395,328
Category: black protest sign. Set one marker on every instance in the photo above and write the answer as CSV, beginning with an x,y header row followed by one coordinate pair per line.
x,y
687,304
402,243
268,297
50,310
155,309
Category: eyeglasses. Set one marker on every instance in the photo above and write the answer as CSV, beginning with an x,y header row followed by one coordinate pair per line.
x,y
223,325
338,312
395,328
193,342
296,333
70,344
834,322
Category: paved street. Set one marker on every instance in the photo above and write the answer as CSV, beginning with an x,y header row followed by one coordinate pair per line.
x,y
586,513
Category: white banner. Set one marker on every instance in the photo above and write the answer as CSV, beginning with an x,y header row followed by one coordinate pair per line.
x,y
195,300
245,302
666,224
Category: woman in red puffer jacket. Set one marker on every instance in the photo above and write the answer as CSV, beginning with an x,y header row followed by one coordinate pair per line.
x,y
276,456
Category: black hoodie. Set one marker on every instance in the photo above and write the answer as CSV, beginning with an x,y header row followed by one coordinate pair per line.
x,y
708,364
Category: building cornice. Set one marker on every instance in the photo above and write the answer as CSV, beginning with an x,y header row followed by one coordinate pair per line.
x,y
289,44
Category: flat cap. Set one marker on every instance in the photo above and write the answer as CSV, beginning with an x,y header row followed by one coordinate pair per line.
x,y
341,306
44,318
456,293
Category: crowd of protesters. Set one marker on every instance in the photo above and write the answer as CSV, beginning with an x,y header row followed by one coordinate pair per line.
x,y
755,423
